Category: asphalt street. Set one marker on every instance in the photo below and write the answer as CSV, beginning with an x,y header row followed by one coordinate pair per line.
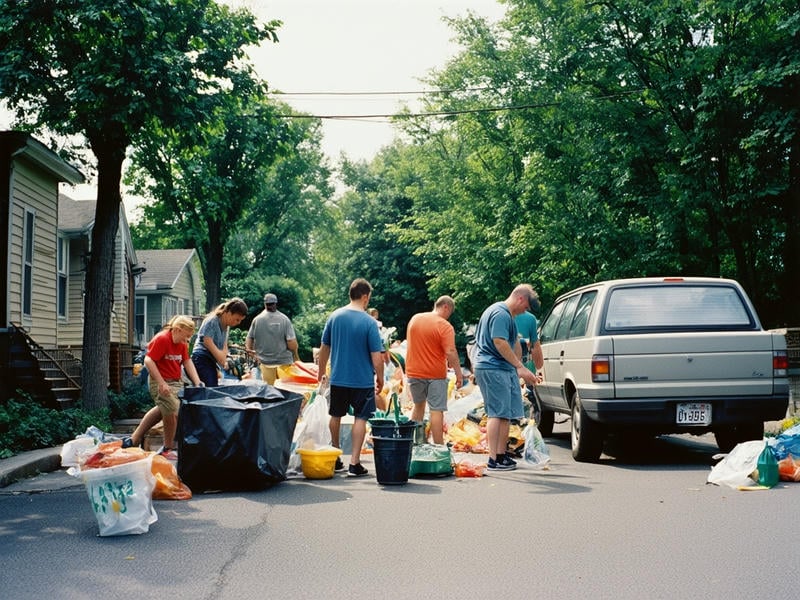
x,y
641,523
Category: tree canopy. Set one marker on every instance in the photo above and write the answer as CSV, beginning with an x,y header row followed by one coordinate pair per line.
x,y
106,71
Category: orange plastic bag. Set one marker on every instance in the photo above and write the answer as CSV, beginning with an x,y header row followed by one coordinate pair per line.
x,y
789,469
111,455
168,484
467,468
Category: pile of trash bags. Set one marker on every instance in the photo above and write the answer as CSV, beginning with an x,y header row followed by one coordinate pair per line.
x,y
760,464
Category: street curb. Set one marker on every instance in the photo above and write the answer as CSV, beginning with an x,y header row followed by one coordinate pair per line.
x,y
29,464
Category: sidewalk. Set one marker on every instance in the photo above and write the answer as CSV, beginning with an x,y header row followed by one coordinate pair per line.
x,y
29,464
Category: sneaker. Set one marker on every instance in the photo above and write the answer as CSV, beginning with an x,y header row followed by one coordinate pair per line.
x,y
169,453
339,465
508,459
356,471
500,465
127,442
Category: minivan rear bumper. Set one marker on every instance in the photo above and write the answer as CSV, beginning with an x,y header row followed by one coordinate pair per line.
x,y
661,412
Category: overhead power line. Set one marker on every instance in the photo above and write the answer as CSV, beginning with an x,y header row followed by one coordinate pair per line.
x,y
447,113
383,93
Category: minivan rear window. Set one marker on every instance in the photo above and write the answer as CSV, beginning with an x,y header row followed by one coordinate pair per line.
x,y
677,307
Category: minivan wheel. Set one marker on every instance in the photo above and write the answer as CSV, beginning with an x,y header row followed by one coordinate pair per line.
x,y
586,435
544,419
728,437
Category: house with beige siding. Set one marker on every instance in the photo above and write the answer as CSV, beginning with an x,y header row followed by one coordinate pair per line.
x,y
75,223
171,284
30,291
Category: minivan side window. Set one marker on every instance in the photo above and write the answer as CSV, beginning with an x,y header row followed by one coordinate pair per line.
x,y
548,328
581,320
565,324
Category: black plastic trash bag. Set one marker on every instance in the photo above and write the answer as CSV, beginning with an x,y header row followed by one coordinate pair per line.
x,y
236,437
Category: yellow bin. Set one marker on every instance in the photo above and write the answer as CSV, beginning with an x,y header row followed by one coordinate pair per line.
x,y
319,463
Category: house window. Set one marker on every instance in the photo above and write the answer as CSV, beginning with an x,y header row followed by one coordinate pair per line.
x,y
139,316
27,263
170,309
62,262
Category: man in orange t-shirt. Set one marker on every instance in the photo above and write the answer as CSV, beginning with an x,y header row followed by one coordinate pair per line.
x,y
431,349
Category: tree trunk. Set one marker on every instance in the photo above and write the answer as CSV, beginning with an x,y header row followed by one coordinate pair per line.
x,y
214,280
99,285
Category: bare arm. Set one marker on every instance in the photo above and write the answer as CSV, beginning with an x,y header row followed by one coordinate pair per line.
x,y
220,354
513,357
537,355
191,371
322,360
377,364
454,363
152,369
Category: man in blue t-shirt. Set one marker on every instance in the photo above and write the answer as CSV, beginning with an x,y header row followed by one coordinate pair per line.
x,y
498,367
353,344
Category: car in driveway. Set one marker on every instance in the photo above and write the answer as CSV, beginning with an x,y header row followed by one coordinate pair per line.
x,y
659,355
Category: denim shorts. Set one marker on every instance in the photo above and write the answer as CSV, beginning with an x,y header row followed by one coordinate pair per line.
x,y
501,391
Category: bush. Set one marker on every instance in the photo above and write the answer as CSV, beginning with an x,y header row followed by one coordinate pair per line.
x,y
308,328
26,425
132,402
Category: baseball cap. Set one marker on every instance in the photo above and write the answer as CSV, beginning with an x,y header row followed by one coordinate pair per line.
x,y
270,299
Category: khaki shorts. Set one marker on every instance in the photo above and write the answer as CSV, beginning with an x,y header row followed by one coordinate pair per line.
x,y
269,373
168,405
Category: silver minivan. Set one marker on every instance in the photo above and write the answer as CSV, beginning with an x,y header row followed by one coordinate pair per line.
x,y
659,355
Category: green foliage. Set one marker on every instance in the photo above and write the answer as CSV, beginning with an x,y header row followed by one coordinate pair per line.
x,y
26,425
379,201
132,402
112,73
639,139
308,329
251,289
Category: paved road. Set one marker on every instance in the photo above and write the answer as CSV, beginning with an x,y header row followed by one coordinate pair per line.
x,y
640,524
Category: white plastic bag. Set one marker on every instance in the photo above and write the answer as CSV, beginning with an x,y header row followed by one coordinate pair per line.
x,y
536,452
122,497
74,451
735,468
312,430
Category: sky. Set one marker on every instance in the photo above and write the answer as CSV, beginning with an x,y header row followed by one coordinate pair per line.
x,y
345,46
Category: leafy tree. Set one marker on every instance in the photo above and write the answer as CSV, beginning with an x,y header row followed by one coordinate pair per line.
x,y
637,139
376,202
109,70
203,179
279,234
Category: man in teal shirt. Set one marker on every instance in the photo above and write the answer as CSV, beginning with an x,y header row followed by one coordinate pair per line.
x,y
529,340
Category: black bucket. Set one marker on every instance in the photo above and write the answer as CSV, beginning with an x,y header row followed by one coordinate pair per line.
x,y
392,459
389,428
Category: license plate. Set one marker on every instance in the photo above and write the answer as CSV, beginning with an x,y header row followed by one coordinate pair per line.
x,y
693,413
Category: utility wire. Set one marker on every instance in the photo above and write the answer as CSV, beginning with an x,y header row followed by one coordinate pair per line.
x,y
447,113
385,93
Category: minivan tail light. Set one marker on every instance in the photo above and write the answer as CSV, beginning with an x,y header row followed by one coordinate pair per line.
x,y
601,368
780,363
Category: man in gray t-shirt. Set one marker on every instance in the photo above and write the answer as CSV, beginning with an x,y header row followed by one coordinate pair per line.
x,y
271,337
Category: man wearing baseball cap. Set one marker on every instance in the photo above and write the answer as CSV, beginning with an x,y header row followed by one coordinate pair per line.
x,y
271,337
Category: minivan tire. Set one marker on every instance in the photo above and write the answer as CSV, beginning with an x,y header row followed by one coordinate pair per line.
x,y
586,435
544,419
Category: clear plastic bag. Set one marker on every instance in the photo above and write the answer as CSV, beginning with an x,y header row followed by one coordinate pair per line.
x,y
536,452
